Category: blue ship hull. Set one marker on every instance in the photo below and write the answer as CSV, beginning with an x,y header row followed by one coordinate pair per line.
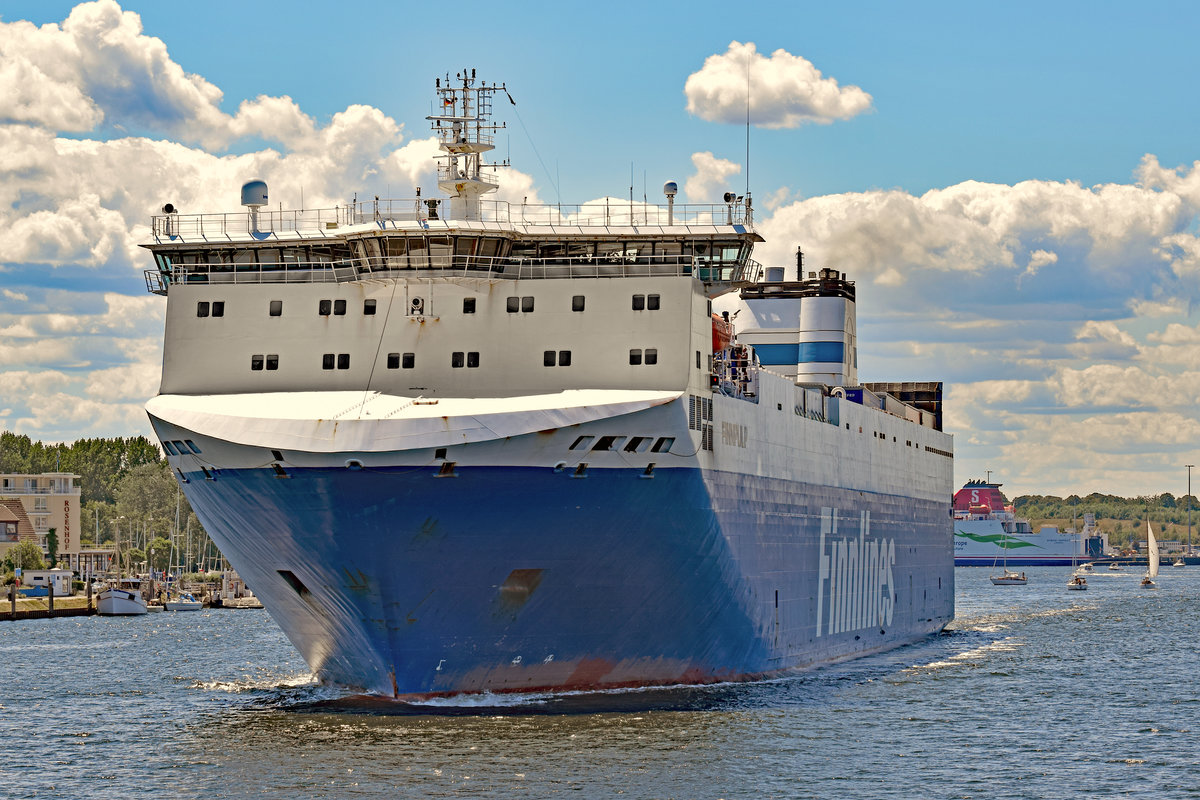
x,y
521,579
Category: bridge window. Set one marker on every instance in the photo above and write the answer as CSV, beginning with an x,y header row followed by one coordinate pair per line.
x,y
276,308
409,360
468,305
327,361
652,302
368,308
202,308
393,361
218,308
663,445
343,361
472,360
651,355
635,357
456,360
273,362
325,308
256,362
339,308
577,303
639,302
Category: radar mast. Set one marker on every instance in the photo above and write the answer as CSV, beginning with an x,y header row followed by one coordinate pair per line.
x,y
465,132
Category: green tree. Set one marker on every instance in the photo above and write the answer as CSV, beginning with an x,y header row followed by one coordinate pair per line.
x,y
161,548
52,547
25,555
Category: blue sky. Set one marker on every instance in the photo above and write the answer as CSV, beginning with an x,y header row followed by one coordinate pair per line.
x,y
1013,186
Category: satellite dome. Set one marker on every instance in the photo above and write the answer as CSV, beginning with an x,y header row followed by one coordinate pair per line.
x,y
254,194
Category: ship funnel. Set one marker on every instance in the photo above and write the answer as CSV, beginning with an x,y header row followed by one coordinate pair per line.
x,y
254,197
828,337
670,189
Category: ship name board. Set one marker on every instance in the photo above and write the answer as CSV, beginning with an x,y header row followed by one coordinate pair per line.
x,y
733,434
856,585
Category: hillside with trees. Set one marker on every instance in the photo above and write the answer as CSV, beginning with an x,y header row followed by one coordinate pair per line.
x,y
1122,518
125,485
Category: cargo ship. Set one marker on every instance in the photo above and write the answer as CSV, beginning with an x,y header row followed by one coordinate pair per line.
x,y
458,446
987,531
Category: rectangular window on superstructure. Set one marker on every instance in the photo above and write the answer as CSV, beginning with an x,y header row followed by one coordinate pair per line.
x,y
393,361
276,308
409,361
635,357
651,355
327,361
343,361
192,446
608,442
639,302
218,308
580,442
513,305
170,448
256,362
564,358
368,308
663,445
202,308
325,308
548,358
577,303
339,308
526,304
456,359
472,359
653,302
468,305
273,361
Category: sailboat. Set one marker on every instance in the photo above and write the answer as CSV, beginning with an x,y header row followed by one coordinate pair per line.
x,y
1007,577
1152,549
1076,582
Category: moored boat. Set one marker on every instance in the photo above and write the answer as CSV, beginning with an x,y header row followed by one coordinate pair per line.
x,y
122,598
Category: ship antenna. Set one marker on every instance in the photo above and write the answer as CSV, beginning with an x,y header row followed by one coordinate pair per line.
x,y
747,125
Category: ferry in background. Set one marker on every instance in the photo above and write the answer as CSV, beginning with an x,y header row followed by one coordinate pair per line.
x,y
987,531
468,446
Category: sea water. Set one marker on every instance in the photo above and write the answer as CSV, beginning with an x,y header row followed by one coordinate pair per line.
x,y
1033,692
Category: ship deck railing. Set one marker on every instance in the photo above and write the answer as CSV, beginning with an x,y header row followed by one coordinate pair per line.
x,y
735,374
324,222
746,271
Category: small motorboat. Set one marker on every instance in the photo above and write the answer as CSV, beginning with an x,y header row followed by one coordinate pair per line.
x,y
1077,583
184,601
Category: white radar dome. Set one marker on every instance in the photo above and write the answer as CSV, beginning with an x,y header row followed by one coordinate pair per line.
x,y
254,194
670,188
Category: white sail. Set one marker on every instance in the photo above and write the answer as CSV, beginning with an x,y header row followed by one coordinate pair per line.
x,y
1152,548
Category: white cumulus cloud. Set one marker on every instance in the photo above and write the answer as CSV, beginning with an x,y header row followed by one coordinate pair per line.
x,y
785,90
